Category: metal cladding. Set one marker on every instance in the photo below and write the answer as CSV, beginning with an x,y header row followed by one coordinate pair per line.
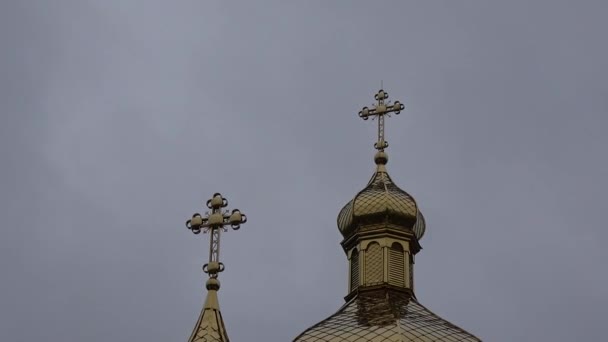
x,y
381,201
381,317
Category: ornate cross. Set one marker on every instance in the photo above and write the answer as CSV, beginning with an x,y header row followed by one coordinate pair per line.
x,y
215,222
380,110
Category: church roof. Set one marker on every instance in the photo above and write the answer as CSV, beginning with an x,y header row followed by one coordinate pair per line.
x,y
384,317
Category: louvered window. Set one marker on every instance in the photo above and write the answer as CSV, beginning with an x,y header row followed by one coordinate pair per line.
x,y
373,264
411,267
354,270
396,265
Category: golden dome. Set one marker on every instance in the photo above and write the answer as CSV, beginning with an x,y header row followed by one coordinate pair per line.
x,y
381,201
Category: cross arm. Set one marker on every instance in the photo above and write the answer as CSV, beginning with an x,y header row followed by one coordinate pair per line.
x,y
381,109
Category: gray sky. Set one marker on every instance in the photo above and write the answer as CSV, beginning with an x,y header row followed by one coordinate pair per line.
x,y
121,118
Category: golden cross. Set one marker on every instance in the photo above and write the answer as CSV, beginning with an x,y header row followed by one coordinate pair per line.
x,y
215,222
380,110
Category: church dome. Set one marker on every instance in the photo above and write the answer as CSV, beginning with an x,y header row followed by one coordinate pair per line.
x,y
381,201
382,226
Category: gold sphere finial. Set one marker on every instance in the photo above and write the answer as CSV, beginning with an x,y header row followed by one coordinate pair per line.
x,y
212,284
381,158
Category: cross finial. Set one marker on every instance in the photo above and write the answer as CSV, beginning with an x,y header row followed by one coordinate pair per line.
x,y
216,221
380,109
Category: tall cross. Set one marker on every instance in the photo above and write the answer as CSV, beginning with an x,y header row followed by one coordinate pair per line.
x,y
214,223
380,110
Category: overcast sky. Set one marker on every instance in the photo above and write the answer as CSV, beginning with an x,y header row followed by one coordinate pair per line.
x,y
119,119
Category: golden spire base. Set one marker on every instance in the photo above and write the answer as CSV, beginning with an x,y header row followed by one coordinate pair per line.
x,y
210,326
211,302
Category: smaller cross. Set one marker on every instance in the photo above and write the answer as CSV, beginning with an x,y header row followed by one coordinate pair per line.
x,y
215,222
380,110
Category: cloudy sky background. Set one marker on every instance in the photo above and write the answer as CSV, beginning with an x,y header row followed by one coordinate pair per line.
x,y
119,119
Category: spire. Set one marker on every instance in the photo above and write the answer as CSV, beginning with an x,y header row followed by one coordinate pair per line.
x,y
210,326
